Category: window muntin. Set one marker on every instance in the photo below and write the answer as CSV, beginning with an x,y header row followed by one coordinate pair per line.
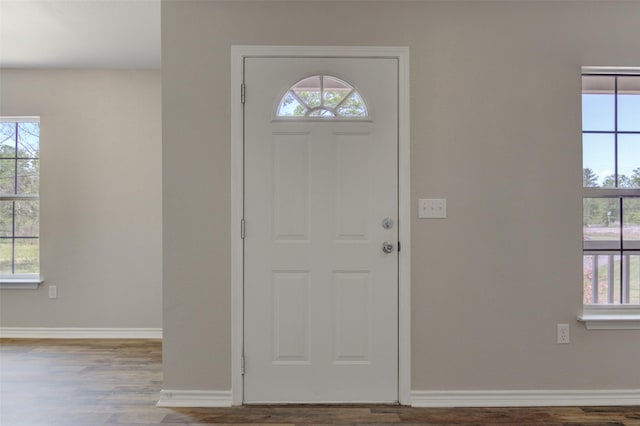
x,y
322,96
19,197
611,189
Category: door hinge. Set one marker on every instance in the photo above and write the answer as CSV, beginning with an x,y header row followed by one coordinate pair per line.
x,y
242,229
242,364
242,93
398,246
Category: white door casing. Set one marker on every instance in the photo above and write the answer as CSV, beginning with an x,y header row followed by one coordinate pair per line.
x,y
320,318
320,294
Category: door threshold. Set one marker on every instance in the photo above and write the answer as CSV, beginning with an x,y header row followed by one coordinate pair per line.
x,y
318,404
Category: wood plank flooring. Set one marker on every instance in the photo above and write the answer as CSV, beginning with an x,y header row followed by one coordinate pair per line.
x,y
117,382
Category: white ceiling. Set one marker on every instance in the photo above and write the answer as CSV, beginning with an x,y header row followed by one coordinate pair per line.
x,y
80,33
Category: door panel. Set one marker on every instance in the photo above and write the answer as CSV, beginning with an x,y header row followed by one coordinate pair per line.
x,y
321,298
352,172
291,317
291,186
352,317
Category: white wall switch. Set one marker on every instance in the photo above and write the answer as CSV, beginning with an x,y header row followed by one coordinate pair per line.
x,y
432,208
53,292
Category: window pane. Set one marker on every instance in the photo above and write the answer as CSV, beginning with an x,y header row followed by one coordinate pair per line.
x,y
6,218
629,161
601,279
7,176
598,103
629,103
6,253
7,139
598,160
587,279
631,265
631,223
28,140
601,223
28,173
27,218
27,256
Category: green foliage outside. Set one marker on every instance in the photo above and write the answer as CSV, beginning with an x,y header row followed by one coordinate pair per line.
x,y
27,256
352,106
19,175
590,179
606,211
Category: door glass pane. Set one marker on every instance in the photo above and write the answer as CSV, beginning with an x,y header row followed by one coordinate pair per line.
x,y
291,107
322,96
321,113
629,104
598,160
309,91
353,106
601,223
598,103
335,91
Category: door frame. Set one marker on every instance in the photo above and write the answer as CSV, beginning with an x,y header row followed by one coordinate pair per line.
x,y
238,54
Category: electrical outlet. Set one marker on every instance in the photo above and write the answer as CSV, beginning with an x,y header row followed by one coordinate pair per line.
x,y
563,333
53,292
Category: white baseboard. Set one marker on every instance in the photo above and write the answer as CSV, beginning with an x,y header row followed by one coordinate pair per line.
x,y
520,398
193,398
79,333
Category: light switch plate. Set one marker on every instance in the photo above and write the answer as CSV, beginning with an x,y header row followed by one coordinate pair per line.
x,y
432,208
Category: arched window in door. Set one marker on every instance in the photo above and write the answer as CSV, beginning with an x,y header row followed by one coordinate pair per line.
x,y
322,96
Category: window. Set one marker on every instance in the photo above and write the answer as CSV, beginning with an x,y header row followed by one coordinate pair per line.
x,y
322,96
19,200
611,193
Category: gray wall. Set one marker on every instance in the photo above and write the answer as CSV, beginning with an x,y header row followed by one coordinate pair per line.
x,y
100,197
495,129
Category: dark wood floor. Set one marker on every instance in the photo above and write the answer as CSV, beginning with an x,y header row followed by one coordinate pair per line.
x,y
99,382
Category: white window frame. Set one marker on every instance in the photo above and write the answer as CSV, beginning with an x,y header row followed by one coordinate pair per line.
x,y
20,281
610,317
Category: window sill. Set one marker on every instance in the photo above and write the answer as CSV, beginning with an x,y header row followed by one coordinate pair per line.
x,y
23,283
603,317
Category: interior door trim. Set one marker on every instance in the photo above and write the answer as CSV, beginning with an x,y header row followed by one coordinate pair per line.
x,y
238,55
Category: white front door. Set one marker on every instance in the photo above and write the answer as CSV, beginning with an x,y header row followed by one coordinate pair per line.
x,y
320,293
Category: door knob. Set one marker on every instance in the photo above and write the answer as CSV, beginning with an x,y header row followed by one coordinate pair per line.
x,y
387,247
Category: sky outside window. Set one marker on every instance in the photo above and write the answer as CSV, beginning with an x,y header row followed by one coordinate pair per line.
x,y
599,111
